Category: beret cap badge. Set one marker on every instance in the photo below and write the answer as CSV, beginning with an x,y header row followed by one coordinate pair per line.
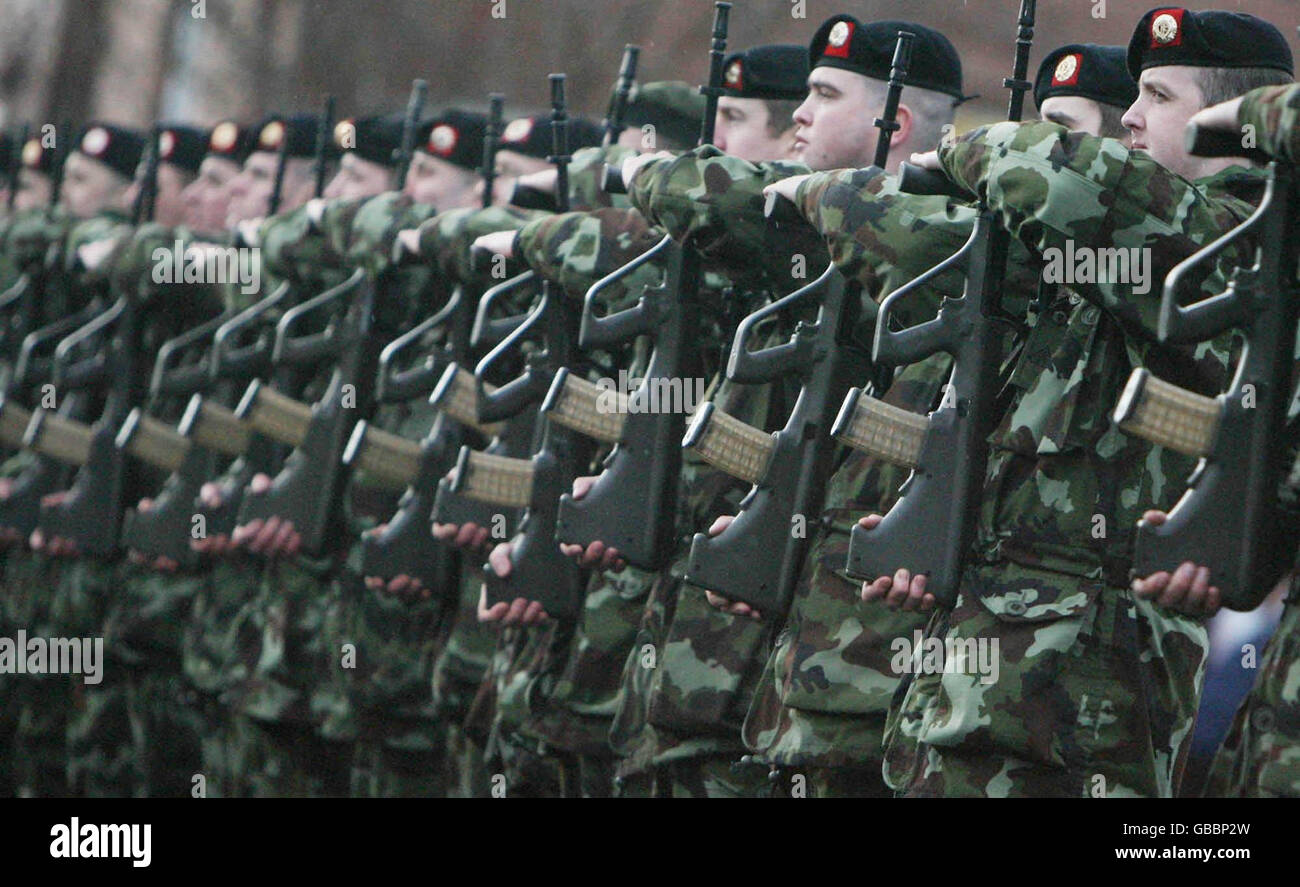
x,y
1164,29
734,74
224,136
345,134
272,135
1066,69
442,139
32,153
839,34
166,144
95,141
517,130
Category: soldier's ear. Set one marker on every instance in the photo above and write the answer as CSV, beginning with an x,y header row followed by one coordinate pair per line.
x,y
903,135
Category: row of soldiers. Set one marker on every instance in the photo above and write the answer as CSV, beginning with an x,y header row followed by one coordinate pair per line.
x,y
419,612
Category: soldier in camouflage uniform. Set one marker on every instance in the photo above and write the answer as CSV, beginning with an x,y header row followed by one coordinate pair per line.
x,y
711,661
1096,688
220,646
1261,754
820,709
67,597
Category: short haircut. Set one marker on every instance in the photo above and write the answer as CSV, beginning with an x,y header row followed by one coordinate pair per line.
x,y
780,115
1112,121
1221,84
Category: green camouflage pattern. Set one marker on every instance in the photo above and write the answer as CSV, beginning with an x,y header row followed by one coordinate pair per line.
x,y
1063,491
1273,112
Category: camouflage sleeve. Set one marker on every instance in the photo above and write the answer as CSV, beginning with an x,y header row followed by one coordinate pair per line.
x,y
577,249
1059,192
445,241
1274,112
716,201
885,238
586,174
31,233
293,249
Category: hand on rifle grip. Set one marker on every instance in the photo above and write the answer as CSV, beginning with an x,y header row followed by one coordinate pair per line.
x,y
401,585
56,546
271,537
1187,590
717,601
518,611
595,556
212,497
900,591
161,563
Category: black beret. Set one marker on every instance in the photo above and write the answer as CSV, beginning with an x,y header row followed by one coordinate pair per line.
x,y
531,136
298,129
182,146
1172,35
673,107
844,42
231,140
1087,70
455,136
777,71
117,147
377,139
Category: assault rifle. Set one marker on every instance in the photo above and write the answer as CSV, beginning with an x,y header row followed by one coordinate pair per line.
x,y
931,527
538,570
308,490
632,505
405,546
201,362
1227,518
758,557
36,293
101,353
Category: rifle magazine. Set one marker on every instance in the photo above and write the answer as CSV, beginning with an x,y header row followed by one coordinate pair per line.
x,y
1167,415
881,430
730,445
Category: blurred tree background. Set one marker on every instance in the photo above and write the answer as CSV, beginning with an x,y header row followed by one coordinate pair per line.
x,y
198,60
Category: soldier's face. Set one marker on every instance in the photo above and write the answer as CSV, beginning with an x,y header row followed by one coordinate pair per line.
x,y
33,190
834,122
168,205
741,129
89,187
207,198
358,178
250,192
510,166
1075,113
1167,98
439,183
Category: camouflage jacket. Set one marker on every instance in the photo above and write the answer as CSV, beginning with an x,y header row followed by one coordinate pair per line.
x,y
1274,112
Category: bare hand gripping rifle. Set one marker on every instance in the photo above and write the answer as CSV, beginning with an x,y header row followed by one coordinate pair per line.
x,y
103,352
201,363
1227,518
632,505
405,546
757,559
539,571
931,527
309,488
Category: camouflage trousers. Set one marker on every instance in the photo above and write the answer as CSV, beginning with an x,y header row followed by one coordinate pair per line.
x,y
1261,754
1042,684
